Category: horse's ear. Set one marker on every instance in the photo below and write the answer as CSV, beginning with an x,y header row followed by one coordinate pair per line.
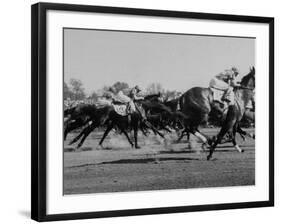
x,y
254,70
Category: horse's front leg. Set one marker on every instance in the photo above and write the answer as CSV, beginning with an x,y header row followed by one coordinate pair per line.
x,y
220,136
109,127
234,139
136,136
182,134
126,134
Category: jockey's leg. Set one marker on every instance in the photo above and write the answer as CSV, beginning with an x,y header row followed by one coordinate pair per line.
x,y
226,95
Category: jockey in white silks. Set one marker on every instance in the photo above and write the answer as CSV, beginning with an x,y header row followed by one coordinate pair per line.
x,y
104,100
128,100
222,86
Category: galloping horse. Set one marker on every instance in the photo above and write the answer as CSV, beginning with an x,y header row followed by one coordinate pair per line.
x,y
78,116
137,119
108,116
243,96
198,102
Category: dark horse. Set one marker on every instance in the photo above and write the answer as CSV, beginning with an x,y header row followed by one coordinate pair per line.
x,y
78,116
243,95
198,102
107,116
122,122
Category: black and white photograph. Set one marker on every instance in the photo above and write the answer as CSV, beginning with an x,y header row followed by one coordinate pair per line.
x,y
146,111
139,111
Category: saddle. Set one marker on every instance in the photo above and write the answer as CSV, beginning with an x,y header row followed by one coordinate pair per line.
x,y
121,108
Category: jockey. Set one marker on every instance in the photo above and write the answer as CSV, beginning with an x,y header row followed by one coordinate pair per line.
x,y
225,81
134,97
128,100
105,99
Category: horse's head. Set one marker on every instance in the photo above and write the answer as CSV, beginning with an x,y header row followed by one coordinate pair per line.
x,y
248,81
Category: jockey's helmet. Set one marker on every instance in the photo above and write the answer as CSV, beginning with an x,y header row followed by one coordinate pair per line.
x,y
235,70
112,89
137,88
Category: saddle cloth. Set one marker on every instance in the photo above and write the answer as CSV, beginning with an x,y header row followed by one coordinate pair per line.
x,y
219,94
121,109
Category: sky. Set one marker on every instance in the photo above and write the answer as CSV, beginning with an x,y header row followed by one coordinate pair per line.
x,y
176,61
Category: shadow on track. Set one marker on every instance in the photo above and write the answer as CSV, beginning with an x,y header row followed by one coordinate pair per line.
x,y
135,161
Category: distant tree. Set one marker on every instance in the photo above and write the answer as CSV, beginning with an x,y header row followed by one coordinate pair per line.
x,y
77,89
66,92
154,88
169,95
94,96
120,86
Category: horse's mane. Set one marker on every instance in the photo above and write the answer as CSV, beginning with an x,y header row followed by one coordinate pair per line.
x,y
149,97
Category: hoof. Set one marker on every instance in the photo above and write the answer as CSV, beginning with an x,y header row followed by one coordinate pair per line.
x,y
99,147
137,147
239,149
209,157
156,161
70,143
204,147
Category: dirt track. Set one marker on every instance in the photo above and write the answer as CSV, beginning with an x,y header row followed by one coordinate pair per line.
x,y
154,166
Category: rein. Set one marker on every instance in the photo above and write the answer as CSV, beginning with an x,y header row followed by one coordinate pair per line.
x,y
245,87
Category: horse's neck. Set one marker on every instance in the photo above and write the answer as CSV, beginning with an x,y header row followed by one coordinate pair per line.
x,y
242,97
152,97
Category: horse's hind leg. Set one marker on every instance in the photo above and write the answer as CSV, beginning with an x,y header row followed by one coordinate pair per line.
x,y
80,135
126,134
86,133
244,133
109,127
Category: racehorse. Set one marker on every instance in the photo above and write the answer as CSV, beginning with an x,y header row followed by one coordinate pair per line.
x,y
78,116
137,120
99,116
244,94
198,102
108,116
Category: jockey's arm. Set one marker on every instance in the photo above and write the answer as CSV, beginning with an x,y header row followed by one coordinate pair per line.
x,y
234,83
138,97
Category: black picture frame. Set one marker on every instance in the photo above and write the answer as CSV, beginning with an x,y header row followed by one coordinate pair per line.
x,y
38,115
